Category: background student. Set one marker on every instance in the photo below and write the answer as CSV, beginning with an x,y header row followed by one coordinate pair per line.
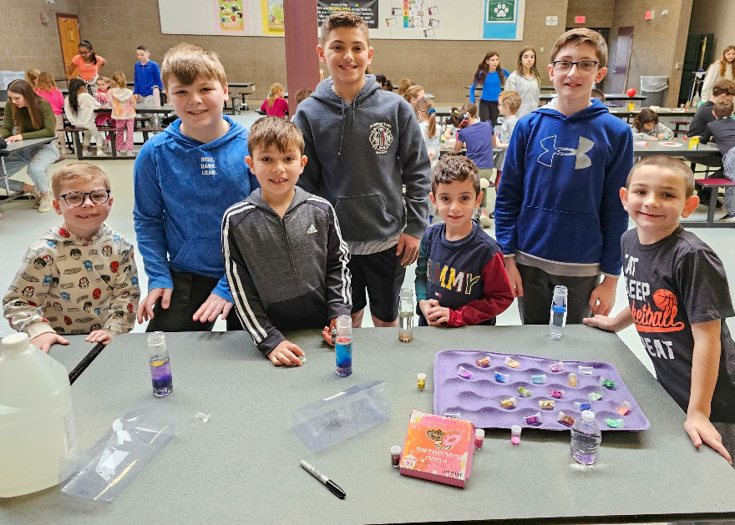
x,y
491,76
525,81
88,65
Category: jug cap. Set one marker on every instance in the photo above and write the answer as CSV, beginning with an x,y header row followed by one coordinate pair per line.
x,y
15,342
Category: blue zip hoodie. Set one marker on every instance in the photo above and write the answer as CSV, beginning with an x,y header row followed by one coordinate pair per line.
x,y
559,197
182,189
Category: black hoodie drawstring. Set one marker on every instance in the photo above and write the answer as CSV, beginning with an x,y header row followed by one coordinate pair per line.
x,y
342,127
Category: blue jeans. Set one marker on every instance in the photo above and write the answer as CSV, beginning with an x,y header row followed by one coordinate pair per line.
x,y
728,162
37,158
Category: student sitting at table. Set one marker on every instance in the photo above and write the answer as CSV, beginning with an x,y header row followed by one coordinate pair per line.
x,y
508,103
274,104
479,140
79,278
79,107
722,131
646,126
598,94
278,223
679,301
722,90
185,178
460,274
33,118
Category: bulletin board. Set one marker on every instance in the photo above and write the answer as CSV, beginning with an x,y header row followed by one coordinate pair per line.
x,y
396,19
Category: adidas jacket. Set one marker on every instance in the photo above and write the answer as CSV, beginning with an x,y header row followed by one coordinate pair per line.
x,y
285,273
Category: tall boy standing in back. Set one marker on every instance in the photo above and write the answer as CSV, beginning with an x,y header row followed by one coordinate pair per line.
x,y
363,144
558,214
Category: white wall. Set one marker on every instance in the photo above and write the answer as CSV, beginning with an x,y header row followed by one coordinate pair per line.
x,y
715,16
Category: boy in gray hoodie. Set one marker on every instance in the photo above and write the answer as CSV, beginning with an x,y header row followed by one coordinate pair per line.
x,y
364,145
285,260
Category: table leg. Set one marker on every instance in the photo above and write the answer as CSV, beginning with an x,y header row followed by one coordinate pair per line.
x,y
78,145
712,205
113,142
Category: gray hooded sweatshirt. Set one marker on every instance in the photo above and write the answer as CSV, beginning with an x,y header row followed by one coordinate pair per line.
x,y
361,155
285,273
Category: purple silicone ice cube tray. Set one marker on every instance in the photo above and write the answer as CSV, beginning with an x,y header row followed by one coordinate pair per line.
x,y
479,398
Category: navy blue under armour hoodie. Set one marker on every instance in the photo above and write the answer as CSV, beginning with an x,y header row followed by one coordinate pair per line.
x,y
558,206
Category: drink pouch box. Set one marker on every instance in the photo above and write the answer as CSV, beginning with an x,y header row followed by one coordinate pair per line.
x,y
438,448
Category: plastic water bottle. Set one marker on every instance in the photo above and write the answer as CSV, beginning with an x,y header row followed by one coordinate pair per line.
x,y
160,364
156,96
586,439
558,312
405,316
36,419
343,348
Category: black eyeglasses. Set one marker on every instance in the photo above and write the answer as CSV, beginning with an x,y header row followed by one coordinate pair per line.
x,y
585,66
77,198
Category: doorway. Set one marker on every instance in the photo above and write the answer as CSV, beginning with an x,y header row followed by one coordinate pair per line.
x,y
68,36
624,45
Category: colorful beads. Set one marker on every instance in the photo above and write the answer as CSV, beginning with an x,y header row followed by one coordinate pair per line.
x,y
538,379
523,391
533,419
508,402
556,367
483,362
565,419
511,362
501,377
546,404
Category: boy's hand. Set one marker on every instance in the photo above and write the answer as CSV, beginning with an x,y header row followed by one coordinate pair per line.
x,y
435,315
145,310
211,308
44,341
700,429
602,298
99,336
409,245
602,322
514,276
327,332
285,354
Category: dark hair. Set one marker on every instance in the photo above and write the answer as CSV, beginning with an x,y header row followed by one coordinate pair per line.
x,y
343,19
598,94
33,104
302,94
454,167
463,120
723,87
143,48
483,68
579,36
269,131
644,117
75,85
534,70
723,108
88,45
666,162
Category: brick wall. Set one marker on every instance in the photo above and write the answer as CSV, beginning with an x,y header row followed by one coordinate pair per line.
x,y
599,13
714,16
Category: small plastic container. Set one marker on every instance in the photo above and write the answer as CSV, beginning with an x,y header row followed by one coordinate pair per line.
x,y
579,405
586,370
405,316
565,419
421,381
538,379
512,363
524,392
557,367
501,377
464,373
572,379
395,456
546,404
508,403
515,435
624,408
534,419
556,393
479,438
483,362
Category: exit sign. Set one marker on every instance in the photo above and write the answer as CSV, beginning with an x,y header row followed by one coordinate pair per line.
x,y
580,19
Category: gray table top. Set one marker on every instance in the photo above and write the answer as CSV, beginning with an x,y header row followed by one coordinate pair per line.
x,y
655,148
243,464
27,143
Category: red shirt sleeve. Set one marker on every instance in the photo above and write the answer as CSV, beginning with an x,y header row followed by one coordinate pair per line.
x,y
498,296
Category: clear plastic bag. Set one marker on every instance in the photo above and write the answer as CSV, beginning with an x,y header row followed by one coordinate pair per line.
x,y
114,461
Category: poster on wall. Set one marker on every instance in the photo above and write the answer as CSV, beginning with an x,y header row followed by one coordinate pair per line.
x,y
416,14
231,17
272,11
367,10
501,20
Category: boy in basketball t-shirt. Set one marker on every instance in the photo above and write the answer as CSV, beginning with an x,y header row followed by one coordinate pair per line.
x,y
679,301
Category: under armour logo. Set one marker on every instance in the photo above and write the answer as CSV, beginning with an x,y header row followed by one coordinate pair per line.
x,y
550,150
312,229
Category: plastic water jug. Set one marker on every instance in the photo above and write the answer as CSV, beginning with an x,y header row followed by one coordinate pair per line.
x,y
36,420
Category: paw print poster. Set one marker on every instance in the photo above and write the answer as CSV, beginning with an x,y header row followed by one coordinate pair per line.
x,y
501,20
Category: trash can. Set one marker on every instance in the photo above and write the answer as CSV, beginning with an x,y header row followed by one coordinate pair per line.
x,y
655,90
6,77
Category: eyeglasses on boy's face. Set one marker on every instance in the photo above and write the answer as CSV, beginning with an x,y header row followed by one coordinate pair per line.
x,y
77,198
585,66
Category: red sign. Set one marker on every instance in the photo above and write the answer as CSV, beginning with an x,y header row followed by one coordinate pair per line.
x,y
580,19
649,15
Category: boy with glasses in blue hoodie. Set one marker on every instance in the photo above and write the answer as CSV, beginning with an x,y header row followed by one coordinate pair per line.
x,y
364,144
185,179
558,216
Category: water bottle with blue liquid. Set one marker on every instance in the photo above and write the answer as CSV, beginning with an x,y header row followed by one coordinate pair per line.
x,y
344,345
558,312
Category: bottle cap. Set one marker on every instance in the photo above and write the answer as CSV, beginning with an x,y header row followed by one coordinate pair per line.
x,y
479,432
421,376
156,338
588,416
395,449
515,429
15,342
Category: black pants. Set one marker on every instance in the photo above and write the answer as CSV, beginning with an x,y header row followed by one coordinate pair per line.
x,y
538,292
381,274
489,111
190,291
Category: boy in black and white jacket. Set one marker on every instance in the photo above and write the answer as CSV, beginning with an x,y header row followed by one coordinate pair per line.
x,y
285,259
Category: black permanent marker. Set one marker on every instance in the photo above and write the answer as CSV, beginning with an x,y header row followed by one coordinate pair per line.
x,y
331,485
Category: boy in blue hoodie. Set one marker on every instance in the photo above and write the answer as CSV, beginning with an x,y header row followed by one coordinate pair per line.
x,y
558,215
185,179
364,144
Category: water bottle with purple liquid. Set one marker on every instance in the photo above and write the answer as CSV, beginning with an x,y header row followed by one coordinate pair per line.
x,y
160,364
